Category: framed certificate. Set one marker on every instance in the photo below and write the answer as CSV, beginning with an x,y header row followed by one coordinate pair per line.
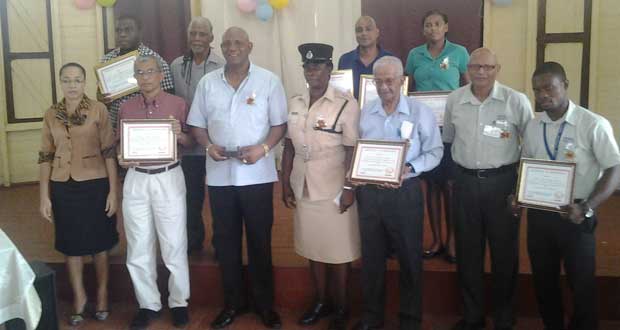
x,y
545,184
434,100
378,161
115,77
342,80
148,141
368,90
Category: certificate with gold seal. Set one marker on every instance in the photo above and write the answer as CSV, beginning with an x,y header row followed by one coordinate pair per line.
x,y
378,161
342,80
368,90
115,77
148,141
545,184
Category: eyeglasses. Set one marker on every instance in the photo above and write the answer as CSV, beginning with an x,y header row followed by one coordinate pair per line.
x,y
147,73
386,82
477,67
69,81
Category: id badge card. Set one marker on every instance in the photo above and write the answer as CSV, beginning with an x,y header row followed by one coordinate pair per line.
x,y
492,131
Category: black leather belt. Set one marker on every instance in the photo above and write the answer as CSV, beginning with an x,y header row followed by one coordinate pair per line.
x,y
488,172
156,170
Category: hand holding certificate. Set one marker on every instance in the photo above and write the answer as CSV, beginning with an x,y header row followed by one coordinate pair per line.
x,y
545,184
378,162
148,141
115,77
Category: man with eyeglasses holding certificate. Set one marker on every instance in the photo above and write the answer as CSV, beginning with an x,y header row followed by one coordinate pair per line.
x,y
484,121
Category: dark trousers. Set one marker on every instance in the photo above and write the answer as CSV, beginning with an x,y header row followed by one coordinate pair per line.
x,y
482,213
232,207
551,240
194,171
392,217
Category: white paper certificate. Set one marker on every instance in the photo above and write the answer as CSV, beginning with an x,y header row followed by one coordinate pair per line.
x,y
342,80
368,90
545,184
148,141
116,77
434,100
377,161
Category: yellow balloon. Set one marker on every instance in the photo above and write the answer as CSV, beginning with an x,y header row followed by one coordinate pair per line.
x,y
106,3
278,4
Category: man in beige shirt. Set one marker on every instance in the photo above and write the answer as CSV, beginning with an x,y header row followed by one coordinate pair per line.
x,y
484,121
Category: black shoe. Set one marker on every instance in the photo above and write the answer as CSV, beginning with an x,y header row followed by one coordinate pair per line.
x,y
271,319
143,318
313,315
364,326
428,254
450,258
227,316
462,325
339,320
179,316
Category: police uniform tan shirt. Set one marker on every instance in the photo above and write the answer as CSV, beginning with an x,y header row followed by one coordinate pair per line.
x,y
319,156
486,134
587,139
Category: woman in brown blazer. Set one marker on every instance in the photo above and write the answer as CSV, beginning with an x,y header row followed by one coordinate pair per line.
x,y
78,185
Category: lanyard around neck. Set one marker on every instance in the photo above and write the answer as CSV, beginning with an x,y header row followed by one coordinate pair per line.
x,y
553,155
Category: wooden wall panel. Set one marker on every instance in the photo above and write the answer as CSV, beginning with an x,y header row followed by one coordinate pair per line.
x,y
31,91
607,68
24,150
78,37
569,55
28,22
564,16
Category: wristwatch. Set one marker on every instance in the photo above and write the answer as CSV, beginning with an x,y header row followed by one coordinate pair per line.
x,y
410,167
589,213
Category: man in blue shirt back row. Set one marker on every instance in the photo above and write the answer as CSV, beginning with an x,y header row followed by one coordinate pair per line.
x,y
368,51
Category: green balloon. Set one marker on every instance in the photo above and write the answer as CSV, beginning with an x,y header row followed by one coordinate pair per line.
x,y
106,3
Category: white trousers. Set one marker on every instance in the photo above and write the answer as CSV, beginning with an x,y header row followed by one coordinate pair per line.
x,y
154,209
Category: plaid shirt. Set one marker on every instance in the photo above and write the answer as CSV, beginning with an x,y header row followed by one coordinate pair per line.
x,y
166,84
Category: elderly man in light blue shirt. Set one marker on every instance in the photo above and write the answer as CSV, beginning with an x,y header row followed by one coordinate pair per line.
x,y
238,114
392,215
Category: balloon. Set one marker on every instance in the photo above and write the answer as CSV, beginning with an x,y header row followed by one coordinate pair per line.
x,y
278,4
246,6
264,12
84,4
106,3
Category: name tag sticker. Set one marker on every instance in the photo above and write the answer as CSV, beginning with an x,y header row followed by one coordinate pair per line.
x,y
492,131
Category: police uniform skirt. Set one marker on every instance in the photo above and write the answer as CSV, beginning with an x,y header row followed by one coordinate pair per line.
x,y
323,234
82,227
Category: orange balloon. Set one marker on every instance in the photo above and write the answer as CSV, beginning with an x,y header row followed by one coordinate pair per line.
x,y
278,4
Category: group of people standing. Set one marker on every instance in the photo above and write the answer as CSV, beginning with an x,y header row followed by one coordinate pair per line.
x,y
230,113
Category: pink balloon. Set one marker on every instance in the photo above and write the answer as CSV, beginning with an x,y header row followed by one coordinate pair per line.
x,y
85,4
246,6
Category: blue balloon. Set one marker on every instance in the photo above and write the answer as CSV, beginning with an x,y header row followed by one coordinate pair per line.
x,y
260,2
264,12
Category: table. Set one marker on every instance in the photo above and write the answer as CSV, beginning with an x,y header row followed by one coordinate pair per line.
x,y
18,296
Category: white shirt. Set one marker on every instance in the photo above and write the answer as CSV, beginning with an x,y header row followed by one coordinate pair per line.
x,y
587,139
473,127
239,118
